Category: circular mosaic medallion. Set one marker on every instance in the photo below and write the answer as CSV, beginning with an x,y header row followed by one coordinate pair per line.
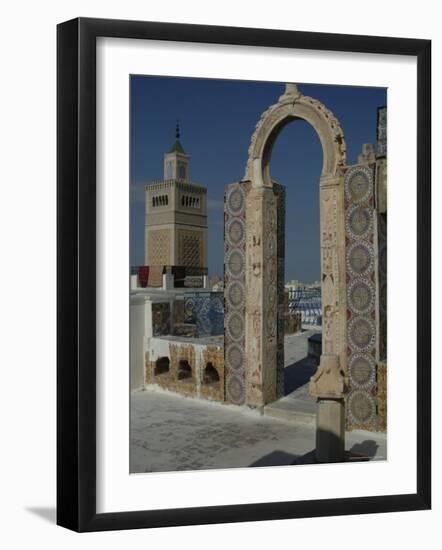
x,y
359,259
235,326
189,308
361,407
235,263
235,232
235,200
358,184
362,370
235,357
361,296
235,390
361,333
235,294
358,221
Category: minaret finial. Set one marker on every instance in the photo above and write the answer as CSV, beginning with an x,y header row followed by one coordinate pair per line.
x,y
177,147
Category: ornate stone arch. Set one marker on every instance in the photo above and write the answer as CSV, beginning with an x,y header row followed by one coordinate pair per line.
x,y
262,307
293,105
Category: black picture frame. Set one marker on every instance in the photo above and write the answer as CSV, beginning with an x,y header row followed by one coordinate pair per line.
x,y
76,274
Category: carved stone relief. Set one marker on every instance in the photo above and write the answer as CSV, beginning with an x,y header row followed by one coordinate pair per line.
x,y
330,270
262,296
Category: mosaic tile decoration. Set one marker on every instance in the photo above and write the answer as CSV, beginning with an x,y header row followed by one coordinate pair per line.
x,y
361,297
382,285
382,235
216,313
382,133
161,318
206,311
234,292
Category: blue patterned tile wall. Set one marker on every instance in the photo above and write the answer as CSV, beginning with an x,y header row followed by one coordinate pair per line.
x,y
206,311
216,313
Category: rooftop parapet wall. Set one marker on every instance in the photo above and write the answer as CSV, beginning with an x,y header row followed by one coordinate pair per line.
x,y
187,368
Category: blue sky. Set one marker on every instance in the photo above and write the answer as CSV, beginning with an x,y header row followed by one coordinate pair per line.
x,y
217,119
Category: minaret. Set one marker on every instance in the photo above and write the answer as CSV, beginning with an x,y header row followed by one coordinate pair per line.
x,y
176,162
176,215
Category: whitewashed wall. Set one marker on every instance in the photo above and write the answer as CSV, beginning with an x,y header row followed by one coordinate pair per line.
x,y
137,330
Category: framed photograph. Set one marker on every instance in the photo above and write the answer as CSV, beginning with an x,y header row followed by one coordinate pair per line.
x,y
233,343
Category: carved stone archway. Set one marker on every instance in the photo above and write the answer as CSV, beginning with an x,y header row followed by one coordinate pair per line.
x,y
262,381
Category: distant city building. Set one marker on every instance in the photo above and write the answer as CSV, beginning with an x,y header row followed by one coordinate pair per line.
x,y
295,284
216,283
307,302
176,215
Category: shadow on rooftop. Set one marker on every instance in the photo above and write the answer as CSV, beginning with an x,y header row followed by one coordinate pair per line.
x,y
364,451
298,374
359,452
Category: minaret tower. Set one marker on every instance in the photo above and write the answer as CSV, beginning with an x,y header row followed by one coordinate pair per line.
x,y
176,215
176,162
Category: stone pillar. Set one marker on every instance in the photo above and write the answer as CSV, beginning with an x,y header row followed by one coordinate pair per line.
x,y
330,430
333,269
261,297
328,385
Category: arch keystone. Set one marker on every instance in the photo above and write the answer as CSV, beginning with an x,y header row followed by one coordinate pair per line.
x,y
291,93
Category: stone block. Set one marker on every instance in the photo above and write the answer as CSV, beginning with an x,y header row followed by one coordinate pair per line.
x,y
330,430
